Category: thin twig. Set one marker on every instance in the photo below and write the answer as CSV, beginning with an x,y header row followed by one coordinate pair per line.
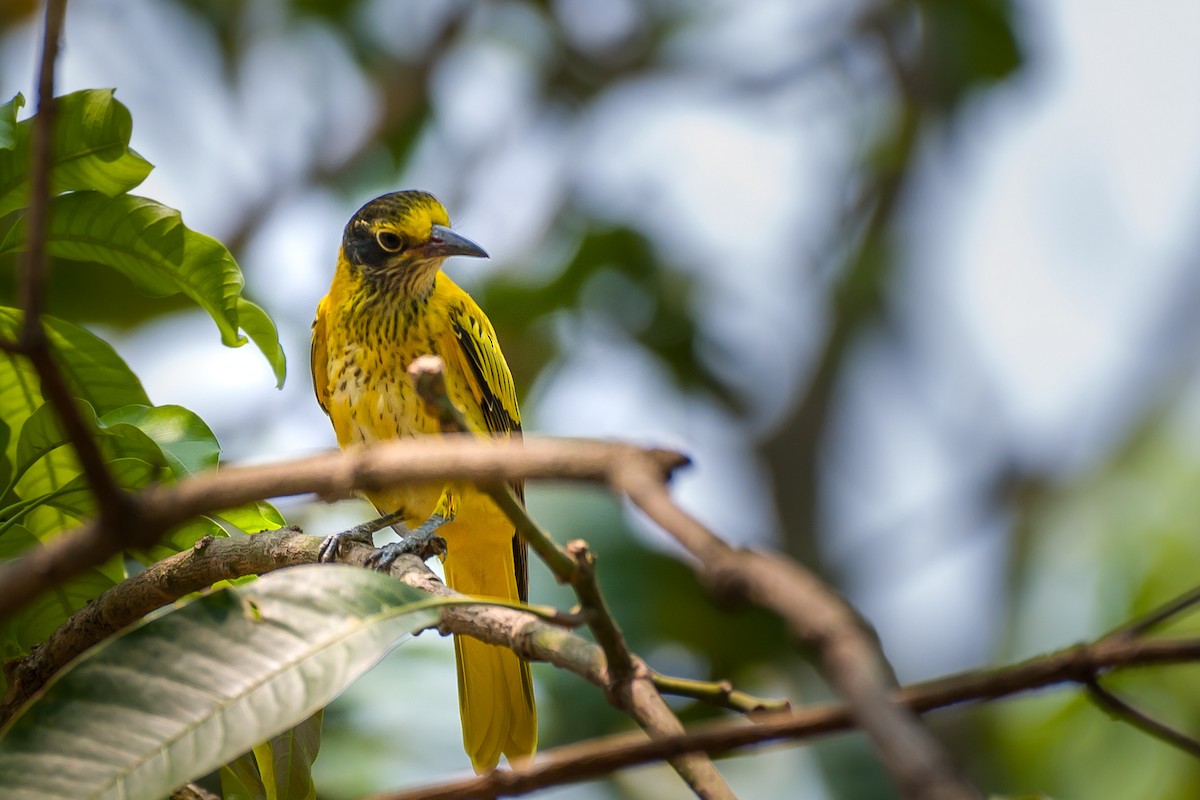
x,y
573,564
1148,622
113,503
33,272
629,684
428,377
718,693
1122,710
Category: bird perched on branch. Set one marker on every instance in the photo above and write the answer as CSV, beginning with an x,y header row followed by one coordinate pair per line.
x,y
389,304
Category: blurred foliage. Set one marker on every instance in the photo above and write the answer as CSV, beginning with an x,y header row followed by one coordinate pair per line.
x,y
616,276
1112,546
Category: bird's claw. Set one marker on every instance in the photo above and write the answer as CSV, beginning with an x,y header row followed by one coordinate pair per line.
x,y
360,534
328,551
423,542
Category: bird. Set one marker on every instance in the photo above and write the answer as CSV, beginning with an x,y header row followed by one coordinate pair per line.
x,y
390,303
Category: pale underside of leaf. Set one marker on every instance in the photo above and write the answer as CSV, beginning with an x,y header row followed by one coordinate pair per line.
x,y
194,688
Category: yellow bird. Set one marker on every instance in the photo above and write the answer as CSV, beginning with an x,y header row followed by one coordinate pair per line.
x,y
390,303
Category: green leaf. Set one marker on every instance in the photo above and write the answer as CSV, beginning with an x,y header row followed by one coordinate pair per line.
x,y
92,368
186,441
261,330
5,464
180,538
298,637
75,498
36,620
148,243
8,122
90,151
94,372
253,517
280,769
240,779
42,434
43,470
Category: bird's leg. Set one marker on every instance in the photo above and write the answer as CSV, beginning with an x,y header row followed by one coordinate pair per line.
x,y
422,542
363,534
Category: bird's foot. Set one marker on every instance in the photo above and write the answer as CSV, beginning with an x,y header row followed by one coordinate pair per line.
x,y
422,542
360,534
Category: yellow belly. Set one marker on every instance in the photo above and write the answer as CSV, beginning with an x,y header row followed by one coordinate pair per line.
x,y
373,401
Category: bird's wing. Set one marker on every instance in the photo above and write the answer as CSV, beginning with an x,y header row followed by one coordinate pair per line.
x,y
487,374
485,369
320,356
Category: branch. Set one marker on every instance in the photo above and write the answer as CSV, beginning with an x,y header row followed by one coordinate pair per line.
x,y
629,685
852,660
110,499
603,756
331,475
216,559
1121,710
717,693
212,560
1159,616
33,272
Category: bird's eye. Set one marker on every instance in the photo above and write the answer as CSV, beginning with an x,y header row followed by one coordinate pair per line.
x,y
389,241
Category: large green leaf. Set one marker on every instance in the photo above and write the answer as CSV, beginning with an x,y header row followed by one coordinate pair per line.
x,y
148,243
8,122
192,689
90,150
187,442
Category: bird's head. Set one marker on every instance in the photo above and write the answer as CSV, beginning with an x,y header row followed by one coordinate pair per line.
x,y
398,242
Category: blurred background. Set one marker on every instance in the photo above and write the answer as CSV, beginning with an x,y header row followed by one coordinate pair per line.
x,y
915,282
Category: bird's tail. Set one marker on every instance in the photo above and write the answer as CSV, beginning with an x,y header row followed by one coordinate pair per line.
x,y
495,690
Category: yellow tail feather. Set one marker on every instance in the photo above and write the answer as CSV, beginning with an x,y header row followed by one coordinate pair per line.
x,y
495,690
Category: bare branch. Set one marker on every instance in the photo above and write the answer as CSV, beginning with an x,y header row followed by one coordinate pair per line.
x,y
33,272
1122,710
114,507
332,475
718,693
853,661
599,757
1161,615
